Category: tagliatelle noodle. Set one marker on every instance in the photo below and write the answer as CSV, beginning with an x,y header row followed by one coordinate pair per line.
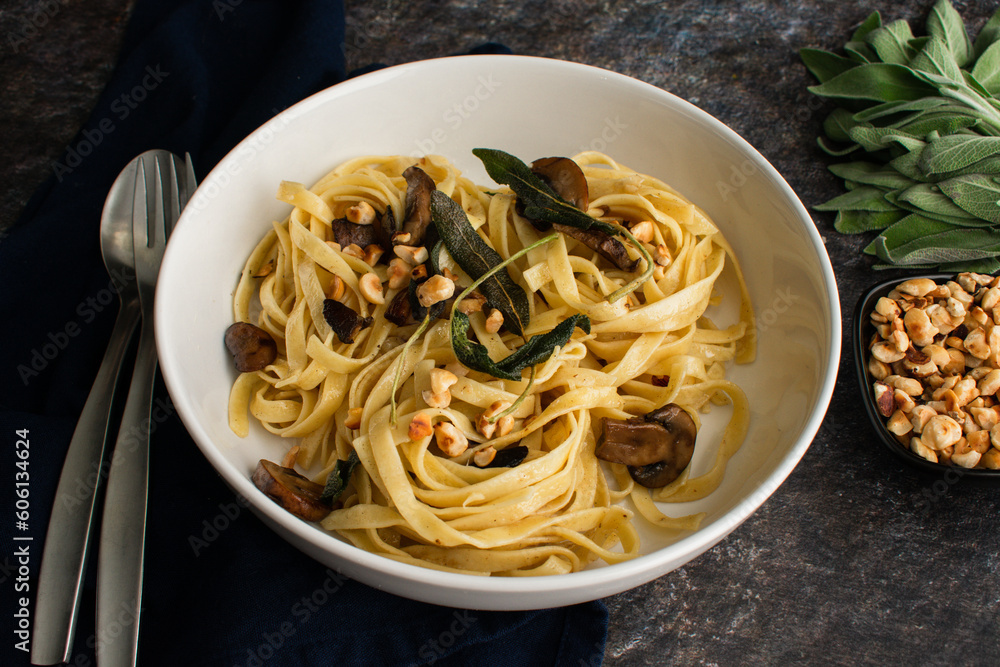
x,y
556,511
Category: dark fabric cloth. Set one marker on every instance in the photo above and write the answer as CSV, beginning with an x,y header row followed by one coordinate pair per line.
x,y
220,588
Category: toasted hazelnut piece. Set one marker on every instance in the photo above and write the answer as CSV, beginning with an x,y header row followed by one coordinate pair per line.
x,y
919,416
990,383
879,370
975,343
642,231
419,272
937,354
290,456
420,427
916,286
939,292
884,398
986,418
955,308
967,283
909,386
373,253
979,441
899,423
494,321
337,287
966,390
888,309
401,238
957,363
484,426
886,352
990,459
505,425
940,432
436,399
920,449
353,420
371,288
900,340
484,456
449,439
964,455
662,256
334,246
449,274
919,327
472,303
978,316
399,273
412,255
442,380
354,250
903,400
361,213
434,289
878,319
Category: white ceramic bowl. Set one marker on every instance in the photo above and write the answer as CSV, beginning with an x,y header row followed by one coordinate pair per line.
x,y
530,107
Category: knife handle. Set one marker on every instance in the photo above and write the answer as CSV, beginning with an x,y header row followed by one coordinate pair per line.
x,y
123,527
64,558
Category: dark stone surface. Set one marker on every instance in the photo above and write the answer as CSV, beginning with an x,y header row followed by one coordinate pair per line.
x,y
855,560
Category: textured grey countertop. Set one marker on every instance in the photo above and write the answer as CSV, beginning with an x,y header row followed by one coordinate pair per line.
x,y
855,560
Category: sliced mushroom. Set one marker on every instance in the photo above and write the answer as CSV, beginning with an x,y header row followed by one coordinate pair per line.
x,y
252,347
346,232
603,243
566,178
418,204
656,448
399,309
290,490
343,320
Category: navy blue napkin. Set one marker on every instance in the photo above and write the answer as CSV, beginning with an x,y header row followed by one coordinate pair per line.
x,y
220,588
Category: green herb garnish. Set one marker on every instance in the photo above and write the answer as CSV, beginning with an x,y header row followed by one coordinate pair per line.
x,y
540,202
921,117
339,477
477,258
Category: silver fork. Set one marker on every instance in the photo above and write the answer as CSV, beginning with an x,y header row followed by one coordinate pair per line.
x,y
162,187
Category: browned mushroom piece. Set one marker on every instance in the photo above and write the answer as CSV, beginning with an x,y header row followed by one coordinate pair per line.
x,y
603,243
346,232
252,347
399,310
290,490
417,218
656,448
568,181
343,320
565,177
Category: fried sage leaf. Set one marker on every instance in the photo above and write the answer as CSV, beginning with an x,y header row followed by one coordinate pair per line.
x,y
476,258
339,477
538,199
538,348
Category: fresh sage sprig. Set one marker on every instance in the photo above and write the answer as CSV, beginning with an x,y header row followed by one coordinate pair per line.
x,y
919,117
540,202
339,477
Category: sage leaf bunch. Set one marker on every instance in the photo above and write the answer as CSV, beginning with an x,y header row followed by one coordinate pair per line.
x,y
917,120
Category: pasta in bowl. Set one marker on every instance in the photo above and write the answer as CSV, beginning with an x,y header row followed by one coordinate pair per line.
x,y
470,461
787,279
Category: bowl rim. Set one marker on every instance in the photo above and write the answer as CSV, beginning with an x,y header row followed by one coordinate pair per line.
x,y
604,579
862,330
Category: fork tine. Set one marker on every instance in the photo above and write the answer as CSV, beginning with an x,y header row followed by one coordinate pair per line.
x,y
176,201
140,205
